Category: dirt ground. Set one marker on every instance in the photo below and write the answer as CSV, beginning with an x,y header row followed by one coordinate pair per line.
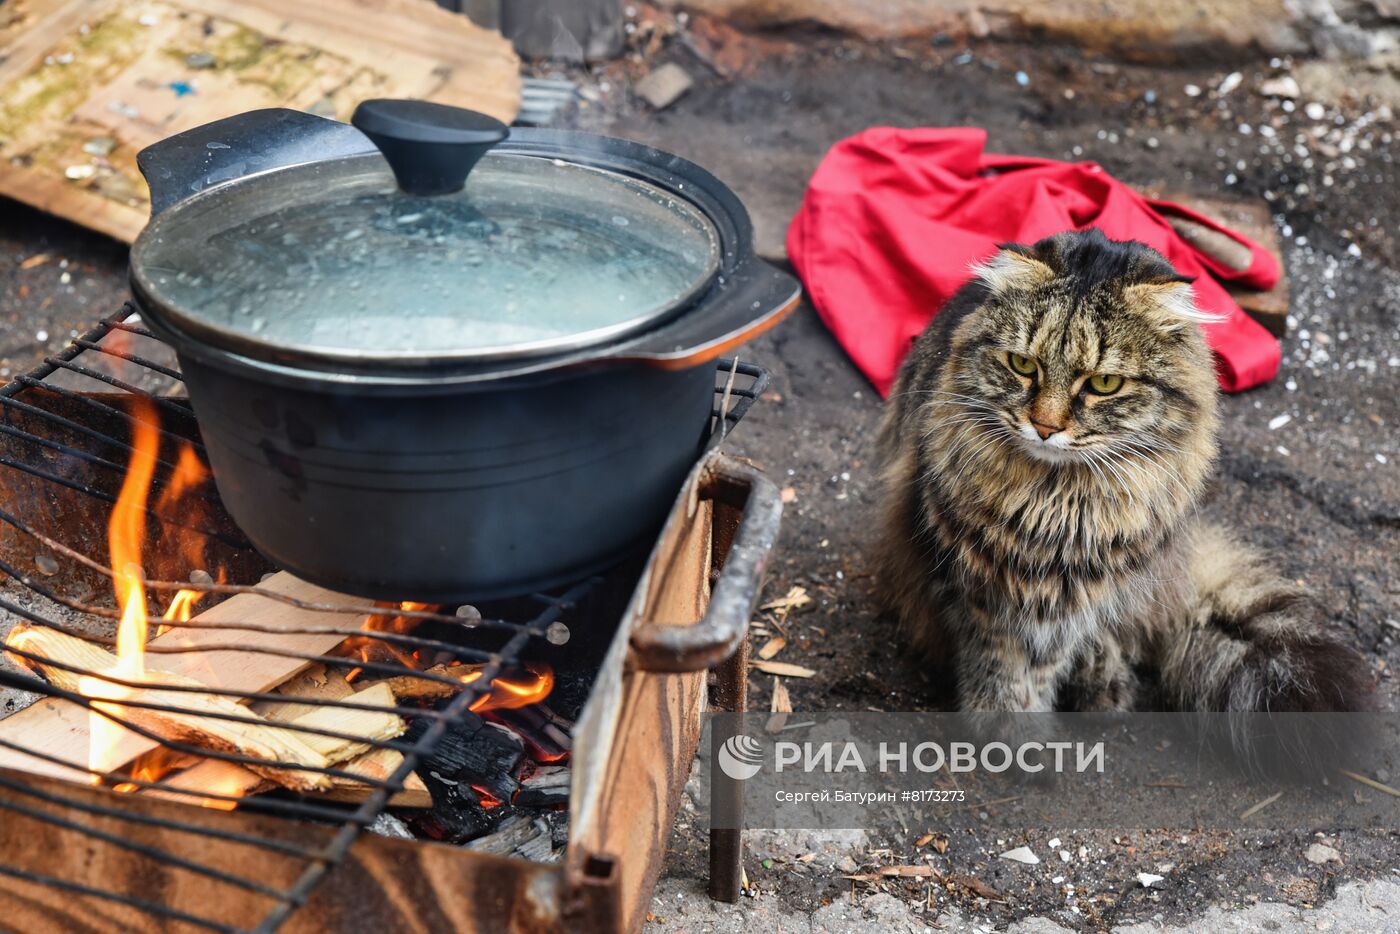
x,y
1320,489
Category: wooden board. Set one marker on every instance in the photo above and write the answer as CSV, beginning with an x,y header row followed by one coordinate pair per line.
x,y
651,724
390,885
60,728
85,84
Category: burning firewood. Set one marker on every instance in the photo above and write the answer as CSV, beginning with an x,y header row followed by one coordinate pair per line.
x,y
255,740
414,688
225,778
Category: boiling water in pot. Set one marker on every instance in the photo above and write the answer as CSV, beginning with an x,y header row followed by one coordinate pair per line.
x,y
532,253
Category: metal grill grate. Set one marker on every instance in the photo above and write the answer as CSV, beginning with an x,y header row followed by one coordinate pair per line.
x,y
74,435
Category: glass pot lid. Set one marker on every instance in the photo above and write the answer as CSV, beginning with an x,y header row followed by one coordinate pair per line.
x,y
333,260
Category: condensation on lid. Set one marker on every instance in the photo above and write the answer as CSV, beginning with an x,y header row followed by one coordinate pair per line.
x,y
534,255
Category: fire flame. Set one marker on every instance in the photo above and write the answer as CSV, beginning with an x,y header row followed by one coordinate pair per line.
x,y
371,650
125,536
508,694
507,691
181,609
188,474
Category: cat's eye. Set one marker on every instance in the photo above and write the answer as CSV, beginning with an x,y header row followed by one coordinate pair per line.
x,y
1025,366
1105,384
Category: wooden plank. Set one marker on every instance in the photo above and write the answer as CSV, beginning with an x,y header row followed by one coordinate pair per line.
x,y
226,778
656,728
85,84
257,740
60,728
384,885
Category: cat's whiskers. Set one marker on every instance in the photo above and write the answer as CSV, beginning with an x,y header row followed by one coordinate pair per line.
x,y
1125,485
1139,467
1147,459
960,440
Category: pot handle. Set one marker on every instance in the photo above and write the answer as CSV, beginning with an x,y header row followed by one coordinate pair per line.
x,y
755,297
189,162
703,645
431,147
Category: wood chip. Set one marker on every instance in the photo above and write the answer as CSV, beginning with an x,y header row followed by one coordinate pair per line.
x,y
925,840
780,708
378,765
886,872
977,887
38,259
786,669
772,647
795,599
1255,809
1371,783
216,777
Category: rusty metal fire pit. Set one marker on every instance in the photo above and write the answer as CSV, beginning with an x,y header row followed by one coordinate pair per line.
x,y
77,854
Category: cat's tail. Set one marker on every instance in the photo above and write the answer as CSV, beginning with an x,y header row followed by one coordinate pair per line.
x,y
1255,642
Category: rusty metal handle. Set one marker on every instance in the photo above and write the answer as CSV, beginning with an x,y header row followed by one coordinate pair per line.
x,y
702,645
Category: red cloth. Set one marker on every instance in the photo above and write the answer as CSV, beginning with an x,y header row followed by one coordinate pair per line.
x,y
893,218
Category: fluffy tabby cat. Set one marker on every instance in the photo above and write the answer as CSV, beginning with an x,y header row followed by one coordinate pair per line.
x,y
1044,449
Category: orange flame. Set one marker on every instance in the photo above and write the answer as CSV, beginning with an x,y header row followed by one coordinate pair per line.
x,y
188,474
126,535
509,694
378,649
228,785
488,800
180,609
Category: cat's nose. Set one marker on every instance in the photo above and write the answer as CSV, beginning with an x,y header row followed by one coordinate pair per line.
x,y
1044,430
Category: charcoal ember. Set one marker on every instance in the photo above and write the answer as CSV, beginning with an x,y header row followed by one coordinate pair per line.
x,y
547,735
479,753
558,828
459,824
457,814
547,786
494,757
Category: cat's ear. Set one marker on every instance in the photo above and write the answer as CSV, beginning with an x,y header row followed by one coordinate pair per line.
x,y
1012,269
1169,301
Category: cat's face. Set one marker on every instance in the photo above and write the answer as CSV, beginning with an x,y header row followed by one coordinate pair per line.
x,y
1078,363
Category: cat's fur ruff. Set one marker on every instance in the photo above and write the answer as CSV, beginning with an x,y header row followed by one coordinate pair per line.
x,y
1049,573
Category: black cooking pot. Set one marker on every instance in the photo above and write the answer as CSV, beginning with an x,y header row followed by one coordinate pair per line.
x,y
412,389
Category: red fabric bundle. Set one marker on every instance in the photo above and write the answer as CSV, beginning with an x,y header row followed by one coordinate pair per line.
x,y
893,219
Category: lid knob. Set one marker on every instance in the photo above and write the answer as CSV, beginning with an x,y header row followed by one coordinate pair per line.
x,y
431,147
